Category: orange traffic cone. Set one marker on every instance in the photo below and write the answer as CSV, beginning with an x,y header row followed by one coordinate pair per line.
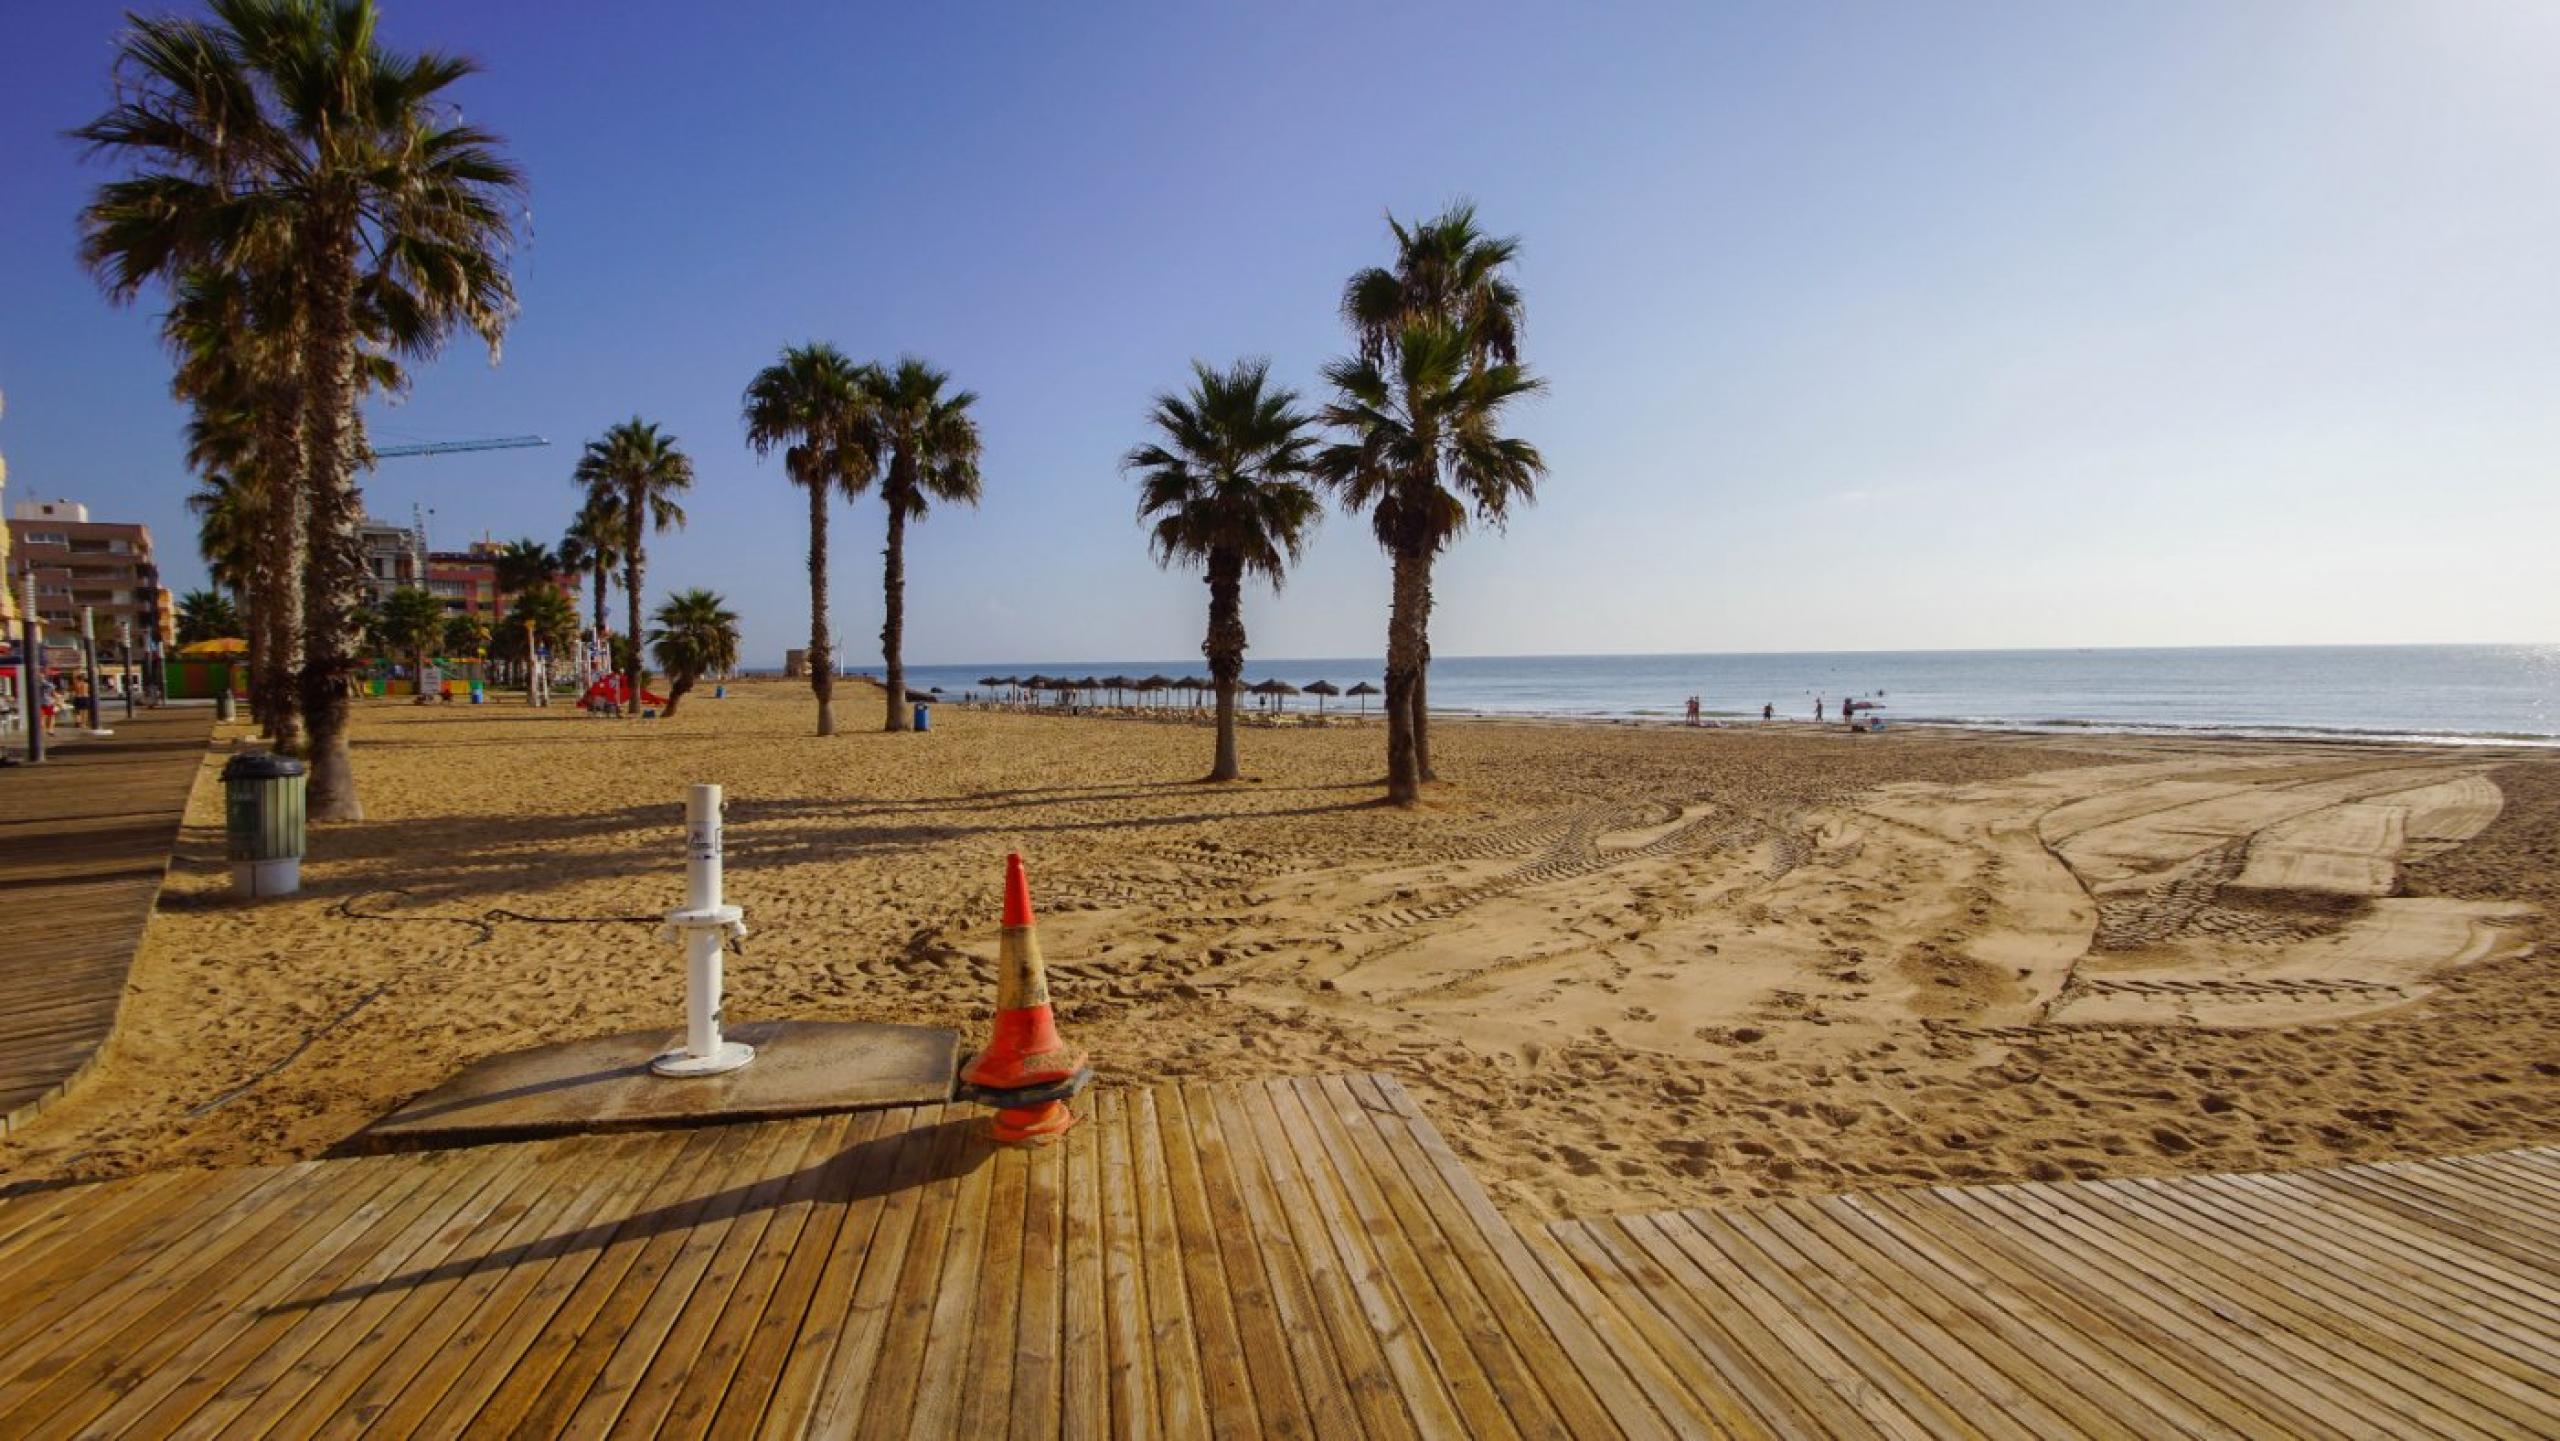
x,y
1026,1071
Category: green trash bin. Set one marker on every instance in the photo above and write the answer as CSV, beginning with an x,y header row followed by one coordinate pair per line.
x,y
263,821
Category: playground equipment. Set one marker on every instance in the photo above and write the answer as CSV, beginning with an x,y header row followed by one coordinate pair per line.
x,y
702,925
614,690
1026,1072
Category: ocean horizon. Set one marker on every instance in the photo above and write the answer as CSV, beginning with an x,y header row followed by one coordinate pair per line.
x,y
2451,694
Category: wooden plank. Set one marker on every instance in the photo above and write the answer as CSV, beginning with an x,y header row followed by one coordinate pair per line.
x,y
2055,1318
848,1313
553,1372
2045,1386
1037,1407
914,1395
2258,1326
594,1383
1237,1406
716,1377
1480,1406
1248,1208
672,1343
1172,1339
850,1191
1084,1347
1341,1279
2161,1317
1129,1331
1591,1394
181,1388
2458,1247
872,1381
2399,1367
1472,1296
990,1354
327,1336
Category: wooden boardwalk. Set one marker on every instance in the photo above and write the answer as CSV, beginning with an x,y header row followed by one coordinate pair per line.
x,y
85,839
1287,1258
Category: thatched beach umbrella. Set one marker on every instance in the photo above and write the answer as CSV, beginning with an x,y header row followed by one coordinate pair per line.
x,y
1276,690
1364,690
1155,683
1320,689
1117,684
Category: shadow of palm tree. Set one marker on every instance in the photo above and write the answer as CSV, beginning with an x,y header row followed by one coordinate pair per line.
x,y
908,1160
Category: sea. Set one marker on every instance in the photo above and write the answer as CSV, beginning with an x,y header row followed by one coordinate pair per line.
x,y
2450,694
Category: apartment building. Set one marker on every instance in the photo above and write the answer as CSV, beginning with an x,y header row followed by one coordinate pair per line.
x,y
105,567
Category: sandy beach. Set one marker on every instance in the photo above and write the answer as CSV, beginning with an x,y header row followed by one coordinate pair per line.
x,y
1623,967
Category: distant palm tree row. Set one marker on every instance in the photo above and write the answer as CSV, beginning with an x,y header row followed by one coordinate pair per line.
x,y
841,428
1416,424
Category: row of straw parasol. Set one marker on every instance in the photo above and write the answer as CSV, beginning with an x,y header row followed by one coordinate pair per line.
x,y
1120,685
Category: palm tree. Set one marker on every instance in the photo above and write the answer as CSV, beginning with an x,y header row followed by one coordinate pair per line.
x,y
1450,271
467,635
697,635
523,564
283,128
932,444
206,615
543,615
1222,486
817,406
1422,453
594,544
639,466
413,620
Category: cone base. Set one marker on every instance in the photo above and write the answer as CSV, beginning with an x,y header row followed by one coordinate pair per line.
x,y
1032,1125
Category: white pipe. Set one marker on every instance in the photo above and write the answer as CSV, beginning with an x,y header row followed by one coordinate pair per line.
x,y
705,923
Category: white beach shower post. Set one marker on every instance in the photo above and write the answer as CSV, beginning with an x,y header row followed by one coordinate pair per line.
x,y
703,925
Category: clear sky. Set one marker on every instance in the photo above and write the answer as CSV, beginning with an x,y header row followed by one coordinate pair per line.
x,y
1869,326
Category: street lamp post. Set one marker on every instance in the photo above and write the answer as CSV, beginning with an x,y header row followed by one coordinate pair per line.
x,y
124,653
32,659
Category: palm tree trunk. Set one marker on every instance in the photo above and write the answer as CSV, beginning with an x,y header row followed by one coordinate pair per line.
x,y
1422,713
632,564
677,685
1407,614
604,579
333,564
279,570
893,583
822,666
1225,649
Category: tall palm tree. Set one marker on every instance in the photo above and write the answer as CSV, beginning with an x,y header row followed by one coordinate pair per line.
x,y
639,466
932,444
816,405
594,544
284,128
1446,270
1422,452
232,338
541,616
1222,486
697,635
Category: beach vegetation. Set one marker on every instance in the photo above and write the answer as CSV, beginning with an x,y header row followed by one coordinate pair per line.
x,y
1419,408
593,544
1222,487
931,443
817,407
696,635
413,620
642,470
281,140
206,615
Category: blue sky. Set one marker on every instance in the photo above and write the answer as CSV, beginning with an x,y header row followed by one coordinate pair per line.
x,y
1868,326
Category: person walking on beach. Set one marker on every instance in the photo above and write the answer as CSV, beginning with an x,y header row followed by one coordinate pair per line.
x,y
1693,710
1768,712
1817,710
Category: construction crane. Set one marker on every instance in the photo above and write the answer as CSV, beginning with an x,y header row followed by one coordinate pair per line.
x,y
450,447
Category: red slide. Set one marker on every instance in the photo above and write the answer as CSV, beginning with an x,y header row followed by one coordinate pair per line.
x,y
611,689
